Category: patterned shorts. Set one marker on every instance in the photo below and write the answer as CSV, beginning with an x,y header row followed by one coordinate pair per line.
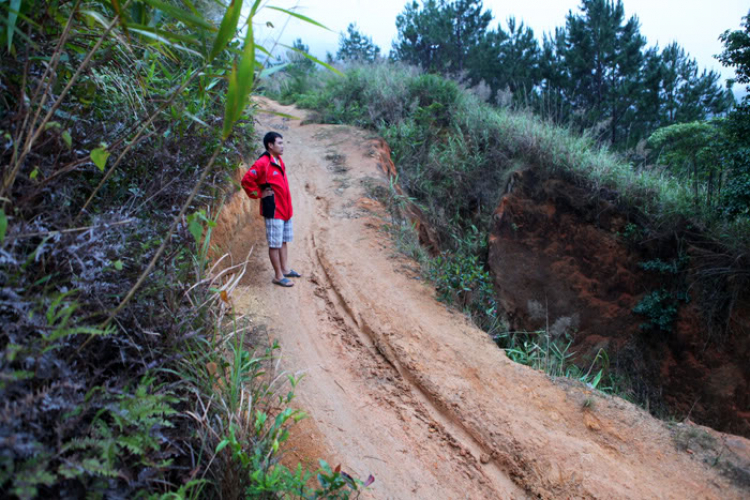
x,y
278,231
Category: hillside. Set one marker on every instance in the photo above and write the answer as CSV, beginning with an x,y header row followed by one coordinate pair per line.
x,y
402,387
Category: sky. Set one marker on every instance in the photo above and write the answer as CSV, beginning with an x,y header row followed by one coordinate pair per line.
x,y
694,24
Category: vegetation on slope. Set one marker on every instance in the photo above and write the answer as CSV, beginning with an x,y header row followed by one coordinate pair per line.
x,y
124,370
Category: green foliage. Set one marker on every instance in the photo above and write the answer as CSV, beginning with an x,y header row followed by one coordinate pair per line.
x,y
123,436
735,197
632,233
673,267
660,307
356,47
116,131
460,279
595,72
736,51
545,351
248,423
435,98
440,36
125,432
693,151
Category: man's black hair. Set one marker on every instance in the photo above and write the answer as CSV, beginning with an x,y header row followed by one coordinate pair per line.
x,y
270,138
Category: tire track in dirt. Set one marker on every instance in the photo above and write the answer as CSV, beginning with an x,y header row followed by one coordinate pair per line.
x,y
473,449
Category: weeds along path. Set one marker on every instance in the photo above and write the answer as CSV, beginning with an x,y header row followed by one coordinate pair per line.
x,y
398,386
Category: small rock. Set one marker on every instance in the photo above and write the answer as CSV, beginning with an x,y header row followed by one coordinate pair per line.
x,y
485,458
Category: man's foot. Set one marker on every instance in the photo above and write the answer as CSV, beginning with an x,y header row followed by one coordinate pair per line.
x,y
282,282
293,274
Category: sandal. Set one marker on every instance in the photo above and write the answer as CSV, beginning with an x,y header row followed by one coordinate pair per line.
x,y
282,282
293,274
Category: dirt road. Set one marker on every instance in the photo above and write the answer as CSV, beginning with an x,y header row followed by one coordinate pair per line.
x,y
398,386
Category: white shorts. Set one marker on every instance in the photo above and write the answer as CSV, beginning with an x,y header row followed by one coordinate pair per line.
x,y
278,231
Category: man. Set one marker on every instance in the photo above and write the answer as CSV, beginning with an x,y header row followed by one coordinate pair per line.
x,y
267,180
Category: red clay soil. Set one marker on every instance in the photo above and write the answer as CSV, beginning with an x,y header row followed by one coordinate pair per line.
x,y
399,386
558,256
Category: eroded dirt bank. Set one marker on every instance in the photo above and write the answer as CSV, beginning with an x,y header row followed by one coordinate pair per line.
x,y
559,256
399,386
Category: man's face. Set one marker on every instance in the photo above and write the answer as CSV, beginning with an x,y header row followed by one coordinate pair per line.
x,y
277,147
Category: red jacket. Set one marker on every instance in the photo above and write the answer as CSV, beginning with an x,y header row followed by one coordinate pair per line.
x,y
266,171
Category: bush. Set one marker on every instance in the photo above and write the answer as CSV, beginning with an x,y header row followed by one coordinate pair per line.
x,y
660,307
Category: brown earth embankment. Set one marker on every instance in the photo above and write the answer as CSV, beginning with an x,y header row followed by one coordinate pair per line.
x,y
574,263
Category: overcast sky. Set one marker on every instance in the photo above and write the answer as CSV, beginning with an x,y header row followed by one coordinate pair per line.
x,y
694,24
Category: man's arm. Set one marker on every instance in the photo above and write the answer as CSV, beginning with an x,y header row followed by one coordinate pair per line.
x,y
252,185
250,182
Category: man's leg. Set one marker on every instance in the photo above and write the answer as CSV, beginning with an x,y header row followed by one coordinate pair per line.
x,y
274,233
288,235
283,258
274,255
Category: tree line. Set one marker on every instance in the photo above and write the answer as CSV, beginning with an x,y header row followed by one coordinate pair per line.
x,y
597,74
596,71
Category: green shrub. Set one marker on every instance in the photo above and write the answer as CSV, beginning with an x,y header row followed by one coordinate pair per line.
x,y
660,307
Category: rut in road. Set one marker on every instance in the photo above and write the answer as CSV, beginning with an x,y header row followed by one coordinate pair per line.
x,y
399,386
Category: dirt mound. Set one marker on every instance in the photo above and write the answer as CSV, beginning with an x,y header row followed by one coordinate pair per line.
x,y
399,386
561,258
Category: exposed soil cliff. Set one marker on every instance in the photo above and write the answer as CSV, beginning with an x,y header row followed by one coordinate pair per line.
x,y
564,259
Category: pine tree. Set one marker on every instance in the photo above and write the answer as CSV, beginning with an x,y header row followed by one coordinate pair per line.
x,y
736,51
420,36
440,36
300,63
520,58
356,47
507,60
468,26
650,105
604,57
555,85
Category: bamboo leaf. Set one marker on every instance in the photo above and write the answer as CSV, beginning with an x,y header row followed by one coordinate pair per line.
x,y
159,37
3,225
300,16
246,71
223,444
253,11
15,6
96,17
190,6
240,83
314,59
181,15
273,69
264,50
120,17
231,102
196,119
227,29
277,113
196,229
166,34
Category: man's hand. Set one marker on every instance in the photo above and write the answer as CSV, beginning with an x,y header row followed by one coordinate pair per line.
x,y
267,192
